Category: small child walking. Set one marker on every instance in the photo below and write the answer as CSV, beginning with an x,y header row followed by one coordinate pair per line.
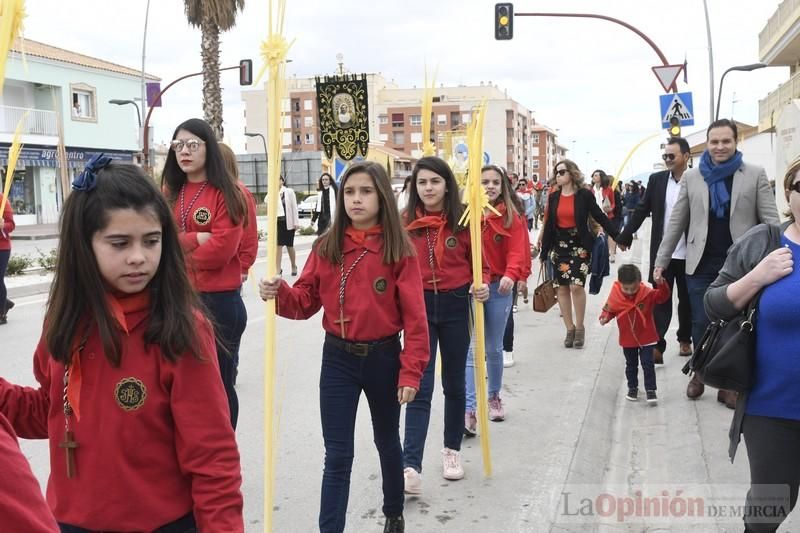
x,y
632,302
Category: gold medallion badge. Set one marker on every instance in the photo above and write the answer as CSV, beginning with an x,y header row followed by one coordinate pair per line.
x,y
130,394
498,237
380,285
202,216
451,242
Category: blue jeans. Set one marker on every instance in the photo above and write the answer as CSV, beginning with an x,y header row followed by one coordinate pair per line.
x,y
496,311
229,316
448,326
5,255
342,378
696,285
632,358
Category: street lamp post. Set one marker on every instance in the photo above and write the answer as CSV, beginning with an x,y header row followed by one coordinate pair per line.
x,y
123,102
264,141
741,68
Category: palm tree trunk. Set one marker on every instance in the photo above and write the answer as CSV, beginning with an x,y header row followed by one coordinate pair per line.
x,y
212,95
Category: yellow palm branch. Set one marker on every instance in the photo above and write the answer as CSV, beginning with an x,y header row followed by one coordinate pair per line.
x,y
12,12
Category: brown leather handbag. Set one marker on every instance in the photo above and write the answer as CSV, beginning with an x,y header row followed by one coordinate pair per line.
x,y
544,295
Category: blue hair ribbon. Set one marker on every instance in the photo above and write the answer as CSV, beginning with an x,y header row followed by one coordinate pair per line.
x,y
87,180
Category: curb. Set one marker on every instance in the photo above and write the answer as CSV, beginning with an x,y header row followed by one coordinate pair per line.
x,y
29,290
36,237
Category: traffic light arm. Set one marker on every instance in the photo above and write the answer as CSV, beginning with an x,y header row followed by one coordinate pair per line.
x,y
635,30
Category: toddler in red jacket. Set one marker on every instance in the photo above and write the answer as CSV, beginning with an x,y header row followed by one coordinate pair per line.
x,y
632,302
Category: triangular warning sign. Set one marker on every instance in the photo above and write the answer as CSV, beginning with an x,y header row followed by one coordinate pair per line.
x,y
667,74
677,108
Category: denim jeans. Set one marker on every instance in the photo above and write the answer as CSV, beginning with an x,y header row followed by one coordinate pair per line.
x,y
342,378
674,274
448,326
632,358
697,284
496,311
185,524
4,257
229,317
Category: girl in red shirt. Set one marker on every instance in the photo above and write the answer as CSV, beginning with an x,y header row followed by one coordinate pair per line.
x,y
365,276
506,248
6,227
129,391
445,255
211,212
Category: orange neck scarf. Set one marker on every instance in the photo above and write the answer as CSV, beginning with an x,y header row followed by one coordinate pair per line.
x,y
618,303
360,236
495,222
436,222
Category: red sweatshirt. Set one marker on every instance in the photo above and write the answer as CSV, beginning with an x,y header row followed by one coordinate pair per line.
x,y
507,250
380,300
22,507
214,266
634,314
248,248
452,253
8,226
154,437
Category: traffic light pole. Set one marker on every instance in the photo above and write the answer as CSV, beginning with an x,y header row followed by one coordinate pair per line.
x,y
146,137
635,30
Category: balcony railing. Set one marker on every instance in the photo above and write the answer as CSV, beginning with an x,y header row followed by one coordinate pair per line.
x,y
785,12
775,101
38,122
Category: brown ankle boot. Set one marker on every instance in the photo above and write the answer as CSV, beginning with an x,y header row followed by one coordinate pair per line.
x,y
695,388
580,337
728,397
569,340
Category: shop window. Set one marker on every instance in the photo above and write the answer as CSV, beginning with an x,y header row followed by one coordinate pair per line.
x,y
84,102
397,120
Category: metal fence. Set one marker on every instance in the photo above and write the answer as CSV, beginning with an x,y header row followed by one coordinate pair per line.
x,y
300,169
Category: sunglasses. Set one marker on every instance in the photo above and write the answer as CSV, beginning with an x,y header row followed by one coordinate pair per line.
x,y
192,144
795,187
562,171
668,157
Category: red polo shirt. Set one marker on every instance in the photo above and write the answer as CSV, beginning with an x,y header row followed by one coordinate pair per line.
x,y
507,250
248,248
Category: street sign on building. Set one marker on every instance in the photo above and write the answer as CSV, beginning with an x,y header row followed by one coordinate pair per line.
x,y
677,105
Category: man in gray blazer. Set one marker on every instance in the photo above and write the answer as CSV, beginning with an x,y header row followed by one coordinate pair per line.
x,y
719,200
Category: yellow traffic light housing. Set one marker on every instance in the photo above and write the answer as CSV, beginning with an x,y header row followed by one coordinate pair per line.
x,y
504,21
674,127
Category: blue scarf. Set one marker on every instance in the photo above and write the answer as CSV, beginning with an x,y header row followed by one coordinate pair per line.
x,y
714,176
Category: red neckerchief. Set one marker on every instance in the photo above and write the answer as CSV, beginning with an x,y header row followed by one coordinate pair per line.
x,y
495,222
360,236
437,222
120,307
618,303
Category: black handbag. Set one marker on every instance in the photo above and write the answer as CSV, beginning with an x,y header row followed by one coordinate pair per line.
x,y
725,358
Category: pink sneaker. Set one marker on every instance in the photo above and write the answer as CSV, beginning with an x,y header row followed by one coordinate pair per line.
x,y
451,465
413,481
470,424
496,411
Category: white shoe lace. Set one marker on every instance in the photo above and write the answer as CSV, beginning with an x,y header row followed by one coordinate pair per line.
x,y
451,460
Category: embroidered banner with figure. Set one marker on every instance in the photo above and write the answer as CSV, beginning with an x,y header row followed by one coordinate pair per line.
x,y
343,115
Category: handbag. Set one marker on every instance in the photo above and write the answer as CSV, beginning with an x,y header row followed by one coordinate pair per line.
x,y
544,295
725,358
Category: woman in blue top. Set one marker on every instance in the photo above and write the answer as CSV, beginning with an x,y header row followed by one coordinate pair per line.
x,y
769,414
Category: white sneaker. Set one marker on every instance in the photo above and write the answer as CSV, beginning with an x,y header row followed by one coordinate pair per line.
x,y
413,481
451,465
514,309
508,359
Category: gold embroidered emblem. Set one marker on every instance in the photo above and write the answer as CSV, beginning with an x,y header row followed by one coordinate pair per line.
x,y
498,237
202,216
380,285
451,242
130,394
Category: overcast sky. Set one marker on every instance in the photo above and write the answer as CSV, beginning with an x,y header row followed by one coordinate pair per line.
x,y
590,79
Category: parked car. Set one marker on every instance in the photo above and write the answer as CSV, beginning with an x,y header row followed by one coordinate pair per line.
x,y
307,206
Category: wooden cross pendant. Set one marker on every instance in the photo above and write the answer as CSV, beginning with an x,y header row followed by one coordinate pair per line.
x,y
342,321
69,446
433,280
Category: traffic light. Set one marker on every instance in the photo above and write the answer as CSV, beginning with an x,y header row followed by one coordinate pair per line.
x,y
674,127
504,21
246,72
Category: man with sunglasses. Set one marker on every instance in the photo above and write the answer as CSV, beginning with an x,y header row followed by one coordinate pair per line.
x,y
718,202
658,201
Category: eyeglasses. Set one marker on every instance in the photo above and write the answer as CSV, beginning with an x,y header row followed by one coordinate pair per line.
x,y
795,187
562,171
192,144
668,157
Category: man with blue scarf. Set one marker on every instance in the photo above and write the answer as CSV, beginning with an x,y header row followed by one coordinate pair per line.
x,y
717,203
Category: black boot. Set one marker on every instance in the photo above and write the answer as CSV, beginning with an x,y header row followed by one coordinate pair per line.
x,y
394,524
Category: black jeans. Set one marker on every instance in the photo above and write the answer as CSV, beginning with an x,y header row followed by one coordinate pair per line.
x,y
674,274
772,451
229,317
181,525
4,257
697,285
342,378
632,358
448,327
508,335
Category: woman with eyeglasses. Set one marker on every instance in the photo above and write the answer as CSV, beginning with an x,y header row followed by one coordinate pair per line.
x,y
211,211
567,239
763,264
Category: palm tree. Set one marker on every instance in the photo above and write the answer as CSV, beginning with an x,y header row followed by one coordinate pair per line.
x,y
212,17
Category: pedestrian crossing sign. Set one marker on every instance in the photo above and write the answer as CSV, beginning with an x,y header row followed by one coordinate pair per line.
x,y
677,105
